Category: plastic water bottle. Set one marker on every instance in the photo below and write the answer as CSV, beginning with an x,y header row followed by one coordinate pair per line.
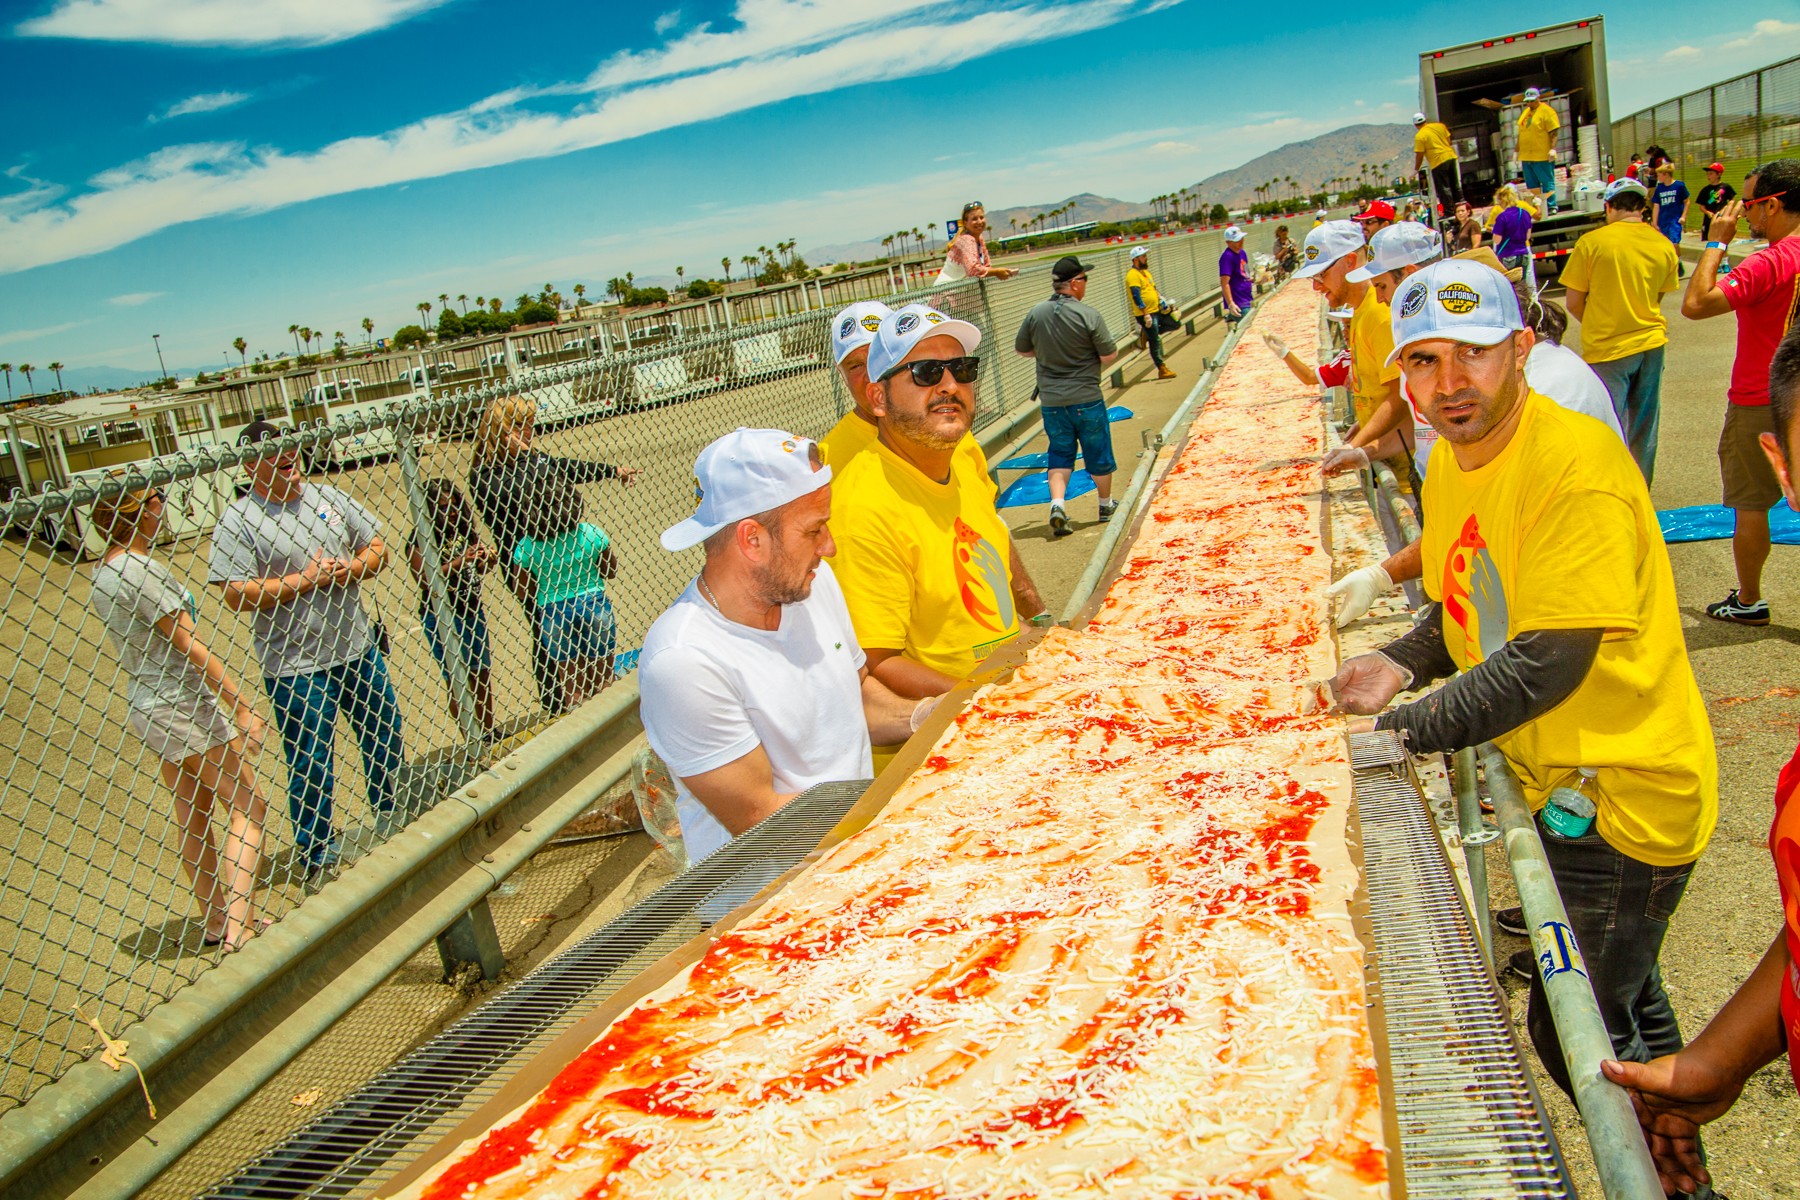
x,y
1570,811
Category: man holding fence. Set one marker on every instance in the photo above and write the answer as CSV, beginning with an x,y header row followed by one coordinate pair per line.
x,y
293,554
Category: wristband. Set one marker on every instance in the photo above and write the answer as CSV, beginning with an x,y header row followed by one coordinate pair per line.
x,y
1717,246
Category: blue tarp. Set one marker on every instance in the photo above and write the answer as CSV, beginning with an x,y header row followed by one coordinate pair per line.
x,y
1035,489
1710,522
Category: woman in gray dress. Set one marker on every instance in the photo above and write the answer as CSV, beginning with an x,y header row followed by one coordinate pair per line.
x,y
179,696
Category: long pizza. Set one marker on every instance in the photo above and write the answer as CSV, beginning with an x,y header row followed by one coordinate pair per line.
x,y
1098,944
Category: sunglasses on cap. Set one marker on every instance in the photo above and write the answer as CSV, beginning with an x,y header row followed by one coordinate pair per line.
x,y
971,206
927,371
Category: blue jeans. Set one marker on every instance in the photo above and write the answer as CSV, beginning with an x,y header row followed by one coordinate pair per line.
x,y
1541,177
306,712
1635,385
1085,425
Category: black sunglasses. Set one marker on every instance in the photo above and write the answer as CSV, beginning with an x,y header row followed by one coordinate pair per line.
x,y
927,371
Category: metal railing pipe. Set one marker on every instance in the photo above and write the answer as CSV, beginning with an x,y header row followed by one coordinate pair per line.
x,y
1474,835
1621,1158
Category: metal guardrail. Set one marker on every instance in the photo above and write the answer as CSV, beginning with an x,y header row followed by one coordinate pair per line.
x,y
48,762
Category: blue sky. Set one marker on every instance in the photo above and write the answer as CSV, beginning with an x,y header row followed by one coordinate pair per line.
x,y
206,169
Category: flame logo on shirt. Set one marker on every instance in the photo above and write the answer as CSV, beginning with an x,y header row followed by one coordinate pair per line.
x,y
1473,597
981,577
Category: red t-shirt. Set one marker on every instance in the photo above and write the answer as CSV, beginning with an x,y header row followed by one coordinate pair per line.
x,y
1764,292
1784,847
1336,373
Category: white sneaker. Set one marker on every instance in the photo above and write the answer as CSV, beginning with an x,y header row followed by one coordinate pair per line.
x,y
1059,521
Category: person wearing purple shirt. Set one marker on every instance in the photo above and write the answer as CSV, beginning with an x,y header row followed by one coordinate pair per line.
x,y
1237,288
1512,236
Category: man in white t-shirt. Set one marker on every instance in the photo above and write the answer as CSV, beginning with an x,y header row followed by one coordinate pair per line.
x,y
753,685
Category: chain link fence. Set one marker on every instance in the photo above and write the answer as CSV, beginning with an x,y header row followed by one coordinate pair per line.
x,y
1739,124
384,623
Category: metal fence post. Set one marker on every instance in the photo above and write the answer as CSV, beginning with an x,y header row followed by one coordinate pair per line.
x,y
456,668
1474,835
472,938
987,316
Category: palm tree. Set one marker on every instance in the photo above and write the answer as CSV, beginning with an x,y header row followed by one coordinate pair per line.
x,y
8,369
581,291
295,330
726,264
424,307
680,279
481,302
306,338
887,244
368,324
494,305
931,226
26,369
462,298
240,345
337,341
919,238
57,367
749,261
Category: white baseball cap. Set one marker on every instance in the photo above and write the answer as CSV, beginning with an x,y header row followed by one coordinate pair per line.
x,y
1140,252
1457,299
901,331
1325,244
1403,244
1624,184
1233,234
1418,118
746,472
1532,93
1321,213
856,326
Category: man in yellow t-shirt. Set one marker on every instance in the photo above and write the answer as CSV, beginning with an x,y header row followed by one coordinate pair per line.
x,y
1554,610
1331,252
1538,124
1432,151
924,559
1140,288
1616,277
851,332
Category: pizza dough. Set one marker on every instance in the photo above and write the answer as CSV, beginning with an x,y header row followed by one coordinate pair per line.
x,y
1098,945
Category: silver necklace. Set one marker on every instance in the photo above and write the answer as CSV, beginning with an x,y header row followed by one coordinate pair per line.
x,y
708,593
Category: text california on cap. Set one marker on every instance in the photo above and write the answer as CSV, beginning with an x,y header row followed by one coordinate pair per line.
x,y
855,326
1458,300
746,472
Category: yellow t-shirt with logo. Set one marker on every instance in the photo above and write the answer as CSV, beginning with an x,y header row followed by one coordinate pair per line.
x,y
1433,141
1140,279
852,435
1626,268
1558,532
1371,341
1537,129
925,566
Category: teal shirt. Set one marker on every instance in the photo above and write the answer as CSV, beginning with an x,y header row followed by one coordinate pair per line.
x,y
565,566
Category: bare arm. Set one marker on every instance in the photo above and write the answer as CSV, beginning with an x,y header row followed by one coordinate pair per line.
x,y
1575,301
1405,563
904,677
1024,589
740,793
367,562
255,595
1302,372
179,629
889,716
1386,418
1704,298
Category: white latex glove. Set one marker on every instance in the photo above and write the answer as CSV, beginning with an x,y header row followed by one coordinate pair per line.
x,y
922,710
1359,589
1276,346
1344,458
1366,683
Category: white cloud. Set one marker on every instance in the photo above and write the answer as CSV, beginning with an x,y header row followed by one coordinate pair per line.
x,y
1767,28
667,21
1681,52
1172,148
26,335
784,49
222,22
133,299
205,102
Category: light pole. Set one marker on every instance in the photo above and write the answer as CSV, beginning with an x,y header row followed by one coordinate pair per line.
x,y
157,338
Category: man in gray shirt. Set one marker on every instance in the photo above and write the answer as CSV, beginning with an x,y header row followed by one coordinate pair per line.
x,y
293,554
1070,342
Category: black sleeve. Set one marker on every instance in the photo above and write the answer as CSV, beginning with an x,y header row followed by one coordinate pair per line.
x,y
1421,649
1525,679
580,470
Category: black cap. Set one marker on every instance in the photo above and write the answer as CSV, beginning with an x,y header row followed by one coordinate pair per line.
x,y
258,430
1068,267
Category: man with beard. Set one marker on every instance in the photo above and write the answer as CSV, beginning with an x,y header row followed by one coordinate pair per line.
x,y
753,687
923,555
1553,608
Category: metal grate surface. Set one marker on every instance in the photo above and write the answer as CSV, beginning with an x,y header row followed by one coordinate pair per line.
x,y
375,1131
1471,1124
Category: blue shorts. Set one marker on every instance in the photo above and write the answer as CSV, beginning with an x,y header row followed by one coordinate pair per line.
x,y
1083,424
579,627
1672,231
471,638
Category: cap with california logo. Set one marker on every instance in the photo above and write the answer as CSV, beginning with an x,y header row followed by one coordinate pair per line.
x,y
748,471
855,327
1325,244
1458,300
902,330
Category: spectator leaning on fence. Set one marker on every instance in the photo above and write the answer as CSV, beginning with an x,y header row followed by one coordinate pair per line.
x,y
570,560
1069,343
1433,152
1146,307
1614,280
1538,124
851,332
1237,281
1764,292
508,480
1677,1094
463,558
967,255
927,565
185,706
1554,612
753,686
293,554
